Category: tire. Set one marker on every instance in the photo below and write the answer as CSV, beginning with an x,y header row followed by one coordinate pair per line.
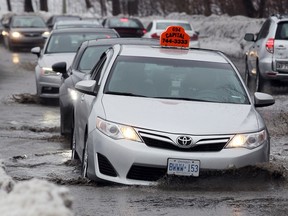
x,y
260,82
84,163
249,79
74,154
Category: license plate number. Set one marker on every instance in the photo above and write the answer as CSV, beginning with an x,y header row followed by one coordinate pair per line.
x,y
282,66
183,167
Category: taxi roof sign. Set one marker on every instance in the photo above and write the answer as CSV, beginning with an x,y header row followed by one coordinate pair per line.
x,y
175,36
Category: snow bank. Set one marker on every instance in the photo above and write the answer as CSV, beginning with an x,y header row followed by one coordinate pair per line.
x,y
224,33
33,198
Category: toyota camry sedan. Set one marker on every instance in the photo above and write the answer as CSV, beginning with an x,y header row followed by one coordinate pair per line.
x,y
61,45
153,111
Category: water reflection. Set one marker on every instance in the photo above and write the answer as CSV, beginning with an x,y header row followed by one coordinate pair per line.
x,y
15,58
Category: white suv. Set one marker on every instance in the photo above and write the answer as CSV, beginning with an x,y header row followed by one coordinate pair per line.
x,y
267,58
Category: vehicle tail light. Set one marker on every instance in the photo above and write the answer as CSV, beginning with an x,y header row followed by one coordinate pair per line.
x,y
155,36
270,45
124,20
144,31
194,37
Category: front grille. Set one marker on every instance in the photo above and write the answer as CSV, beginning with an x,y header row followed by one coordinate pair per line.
x,y
144,173
32,34
210,147
50,90
105,166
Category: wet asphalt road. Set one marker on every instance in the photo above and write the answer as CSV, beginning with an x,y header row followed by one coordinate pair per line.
x,y
32,147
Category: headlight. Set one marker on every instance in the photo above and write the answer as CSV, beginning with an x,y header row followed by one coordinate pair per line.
x,y
16,35
117,131
249,141
73,94
45,34
48,72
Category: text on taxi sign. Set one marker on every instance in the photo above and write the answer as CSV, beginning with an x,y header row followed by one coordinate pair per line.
x,y
175,36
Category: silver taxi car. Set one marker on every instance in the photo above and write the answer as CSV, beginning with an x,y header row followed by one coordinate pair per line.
x,y
151,111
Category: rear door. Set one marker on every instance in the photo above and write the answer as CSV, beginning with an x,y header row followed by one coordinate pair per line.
x,y
281,47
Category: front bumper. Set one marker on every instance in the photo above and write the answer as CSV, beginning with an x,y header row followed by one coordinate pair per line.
x,y
129,162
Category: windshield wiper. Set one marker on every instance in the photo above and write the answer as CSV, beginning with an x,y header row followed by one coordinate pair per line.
x,y
182,98
123,94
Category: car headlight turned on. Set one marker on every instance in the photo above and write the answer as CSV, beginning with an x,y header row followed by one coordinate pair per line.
x,y
249,140
16,35
117,131
48,72
73,94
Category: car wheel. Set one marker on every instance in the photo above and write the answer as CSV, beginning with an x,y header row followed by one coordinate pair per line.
x,y
84,164
74,154
259,82
62,121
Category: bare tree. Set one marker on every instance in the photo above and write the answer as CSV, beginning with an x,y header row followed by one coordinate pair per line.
x,y
133,7
64,7
9,5
28,7
43,5
88,4
103,8
116,9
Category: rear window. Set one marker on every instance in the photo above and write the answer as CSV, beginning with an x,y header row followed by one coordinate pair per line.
x,y
164,25
282,31
125,22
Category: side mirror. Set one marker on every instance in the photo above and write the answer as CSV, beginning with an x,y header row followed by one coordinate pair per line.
x,y
36,51
249,37
60,67
263,99
86,87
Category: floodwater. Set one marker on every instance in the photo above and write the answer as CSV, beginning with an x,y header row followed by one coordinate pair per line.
x,y
32,147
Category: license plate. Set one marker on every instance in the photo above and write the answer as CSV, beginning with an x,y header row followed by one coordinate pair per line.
x,y
282,66
183,167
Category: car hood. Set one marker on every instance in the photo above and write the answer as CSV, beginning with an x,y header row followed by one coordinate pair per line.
x,y
49,59
187,117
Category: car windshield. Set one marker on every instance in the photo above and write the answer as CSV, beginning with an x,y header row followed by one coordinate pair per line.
x,y
69,42
175,79
90,57
28,22
164,25
124,22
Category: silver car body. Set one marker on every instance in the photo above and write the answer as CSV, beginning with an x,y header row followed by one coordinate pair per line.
x,y
162,122
61,45
267,58
156,27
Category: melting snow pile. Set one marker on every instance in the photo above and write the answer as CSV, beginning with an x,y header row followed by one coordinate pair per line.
x,y
33,198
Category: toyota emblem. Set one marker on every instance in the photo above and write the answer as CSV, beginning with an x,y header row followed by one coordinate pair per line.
x,y
184,141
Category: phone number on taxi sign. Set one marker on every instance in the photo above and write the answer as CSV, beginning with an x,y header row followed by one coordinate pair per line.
x,y
175,41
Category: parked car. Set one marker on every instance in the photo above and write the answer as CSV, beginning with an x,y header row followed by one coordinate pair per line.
x,y
151,111
126,27
77,24
156,27
24,31
54,18
61,45
267,58
86,57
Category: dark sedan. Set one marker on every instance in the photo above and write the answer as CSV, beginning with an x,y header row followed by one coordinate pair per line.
x,y
86,57
126,27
